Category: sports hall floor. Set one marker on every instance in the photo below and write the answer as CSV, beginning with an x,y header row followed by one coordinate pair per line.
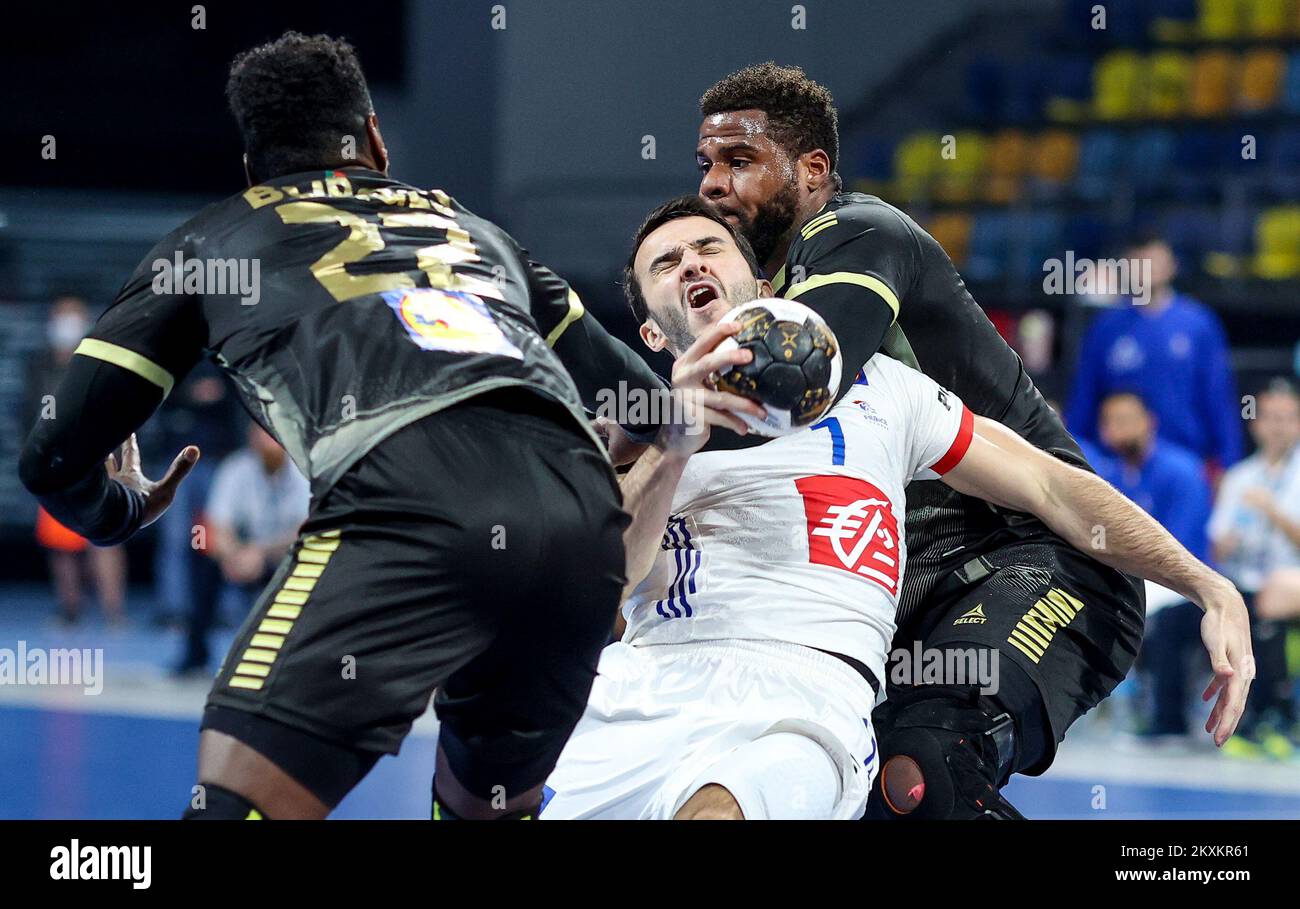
x,y
129,751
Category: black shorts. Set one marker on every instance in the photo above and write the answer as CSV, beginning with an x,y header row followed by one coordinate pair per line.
x,y
478,551
1072,624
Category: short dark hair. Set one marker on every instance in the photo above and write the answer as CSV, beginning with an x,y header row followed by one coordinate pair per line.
x,y
1144,236
1280,385
1124,393
682,207
295,99
800,112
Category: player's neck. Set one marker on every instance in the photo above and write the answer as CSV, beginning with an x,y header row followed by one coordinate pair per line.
x,y
811,204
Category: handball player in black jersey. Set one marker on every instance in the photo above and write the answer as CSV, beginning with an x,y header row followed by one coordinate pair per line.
x,y
1065,628
465,533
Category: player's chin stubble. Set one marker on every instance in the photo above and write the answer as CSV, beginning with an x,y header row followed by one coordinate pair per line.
x,y
771,222
676,325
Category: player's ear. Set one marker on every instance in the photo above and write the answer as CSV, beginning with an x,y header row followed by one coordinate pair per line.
x,y
816,168
765,288
652,336
378,151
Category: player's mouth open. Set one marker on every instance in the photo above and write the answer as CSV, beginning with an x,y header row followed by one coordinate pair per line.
x,y
701,293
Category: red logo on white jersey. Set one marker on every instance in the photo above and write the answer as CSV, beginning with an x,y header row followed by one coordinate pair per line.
x,y
851,525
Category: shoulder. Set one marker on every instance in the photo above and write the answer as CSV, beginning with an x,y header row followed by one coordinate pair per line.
x,y
1193,312
895,382
194,232
1239,474
1179,462
1113,318
856,213
235,465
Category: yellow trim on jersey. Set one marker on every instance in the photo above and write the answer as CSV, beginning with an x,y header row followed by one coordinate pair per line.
x,y
254,667
129,360
777,280
812,226
870,282
1034,632
818,229
575,313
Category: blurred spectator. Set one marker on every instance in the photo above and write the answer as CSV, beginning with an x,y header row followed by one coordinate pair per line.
x,y
69,320
1174,353
1163,478
258,501
200,411
1256,534
1170,485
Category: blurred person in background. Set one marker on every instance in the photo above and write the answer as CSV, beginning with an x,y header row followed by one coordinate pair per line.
x,y
203,410
257,502
1168,482
1097,456
1255,530
69,320
1172,351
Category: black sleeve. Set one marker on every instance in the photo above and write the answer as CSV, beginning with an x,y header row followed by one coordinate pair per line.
x,y
597,361
118,376
853,265
96,407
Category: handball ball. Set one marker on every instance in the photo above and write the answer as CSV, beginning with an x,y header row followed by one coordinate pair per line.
x,y
795,372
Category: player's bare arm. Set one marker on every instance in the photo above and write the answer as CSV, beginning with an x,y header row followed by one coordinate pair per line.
x,y
649,486
1093,517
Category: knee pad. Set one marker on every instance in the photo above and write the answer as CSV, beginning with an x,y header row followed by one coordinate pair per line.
x,y
219,804
943,756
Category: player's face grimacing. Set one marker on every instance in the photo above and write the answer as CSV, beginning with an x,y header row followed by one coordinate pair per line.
x,y
750,178
691,274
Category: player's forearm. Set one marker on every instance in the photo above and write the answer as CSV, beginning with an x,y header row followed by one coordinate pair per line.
x,y
860,318
648,490
100,509
599,364
97,406
1096,519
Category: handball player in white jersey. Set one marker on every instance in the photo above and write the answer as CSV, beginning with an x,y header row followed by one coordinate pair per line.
x,y
763,582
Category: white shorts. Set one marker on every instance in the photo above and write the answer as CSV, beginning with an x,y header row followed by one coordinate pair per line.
x,y
661,717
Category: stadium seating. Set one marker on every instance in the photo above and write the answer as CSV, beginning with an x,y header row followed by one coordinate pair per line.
x,y
1277,244
1260,82
1152,116
1211,88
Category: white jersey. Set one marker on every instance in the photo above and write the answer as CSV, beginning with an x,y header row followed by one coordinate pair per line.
x,y
800,539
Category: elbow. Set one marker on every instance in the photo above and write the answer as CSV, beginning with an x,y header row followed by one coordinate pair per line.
x,y
43,469
34,469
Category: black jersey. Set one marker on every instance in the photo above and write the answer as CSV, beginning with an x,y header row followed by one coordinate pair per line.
x,y
864,264
346,305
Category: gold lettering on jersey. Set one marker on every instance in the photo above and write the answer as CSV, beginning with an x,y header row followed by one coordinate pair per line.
x,y
1034,632
457,237
338,186
362,240
365,237
257,196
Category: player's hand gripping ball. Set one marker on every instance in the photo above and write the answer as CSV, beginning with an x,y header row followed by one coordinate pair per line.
x,y
795,372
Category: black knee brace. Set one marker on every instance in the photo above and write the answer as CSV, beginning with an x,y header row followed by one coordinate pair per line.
x,y
944,755
213,803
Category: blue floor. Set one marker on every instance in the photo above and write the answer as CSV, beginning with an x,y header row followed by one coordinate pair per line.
x,y
62,765
131,752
